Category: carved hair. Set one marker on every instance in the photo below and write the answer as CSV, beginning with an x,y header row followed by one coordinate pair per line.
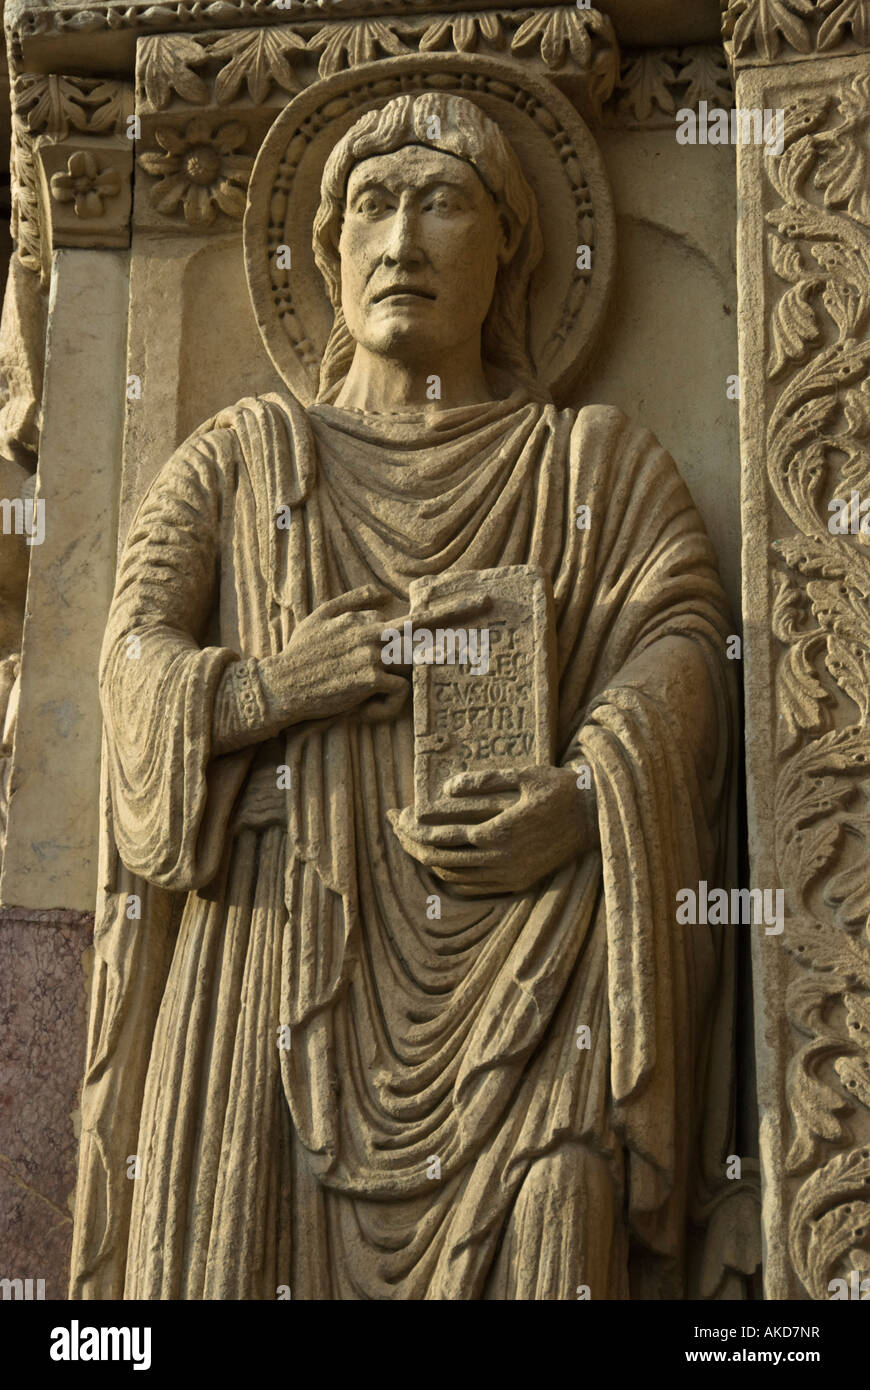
x,y
465,132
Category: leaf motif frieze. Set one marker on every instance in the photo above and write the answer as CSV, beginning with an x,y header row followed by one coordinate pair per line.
x,y
655,83
48,104
190,15
772,31
257,66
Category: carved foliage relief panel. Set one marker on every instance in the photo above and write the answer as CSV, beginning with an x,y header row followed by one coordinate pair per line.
x,y
806,446
767,31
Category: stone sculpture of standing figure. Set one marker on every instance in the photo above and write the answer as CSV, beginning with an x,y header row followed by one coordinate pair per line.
x,y
346,1097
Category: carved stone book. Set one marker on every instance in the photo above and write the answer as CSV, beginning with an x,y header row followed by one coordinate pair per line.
x,y
483,694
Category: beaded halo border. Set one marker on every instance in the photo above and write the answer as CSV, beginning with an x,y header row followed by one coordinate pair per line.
x,y
294,321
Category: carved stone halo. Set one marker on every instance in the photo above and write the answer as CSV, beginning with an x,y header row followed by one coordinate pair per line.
x,y
559,157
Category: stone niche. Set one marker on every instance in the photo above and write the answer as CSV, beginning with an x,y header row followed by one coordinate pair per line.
x,y
163,162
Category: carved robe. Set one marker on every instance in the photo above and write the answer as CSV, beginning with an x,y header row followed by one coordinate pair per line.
x,y
311,1166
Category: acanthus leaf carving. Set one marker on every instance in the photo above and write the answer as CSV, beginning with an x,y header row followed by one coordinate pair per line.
x,y
843,171
648,80
813,797
803,696
786,260
845,16
817,449
260,60
843,303
655,83
555,34
856,409
25,198
830,1221
165,68
463,32
260,65
587,36
858,1019
51,103
794,324
705,75
766,23
819,1110
41,19
772,29
351,45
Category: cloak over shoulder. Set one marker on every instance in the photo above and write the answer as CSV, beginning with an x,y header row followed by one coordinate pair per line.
x,y
408,1037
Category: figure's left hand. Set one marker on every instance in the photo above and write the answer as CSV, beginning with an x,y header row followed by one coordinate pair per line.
x,y
549,822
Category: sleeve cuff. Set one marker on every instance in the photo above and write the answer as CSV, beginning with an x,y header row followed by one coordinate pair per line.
x,y
240,712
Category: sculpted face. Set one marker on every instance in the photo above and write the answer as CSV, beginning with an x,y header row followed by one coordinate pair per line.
x,y
420,246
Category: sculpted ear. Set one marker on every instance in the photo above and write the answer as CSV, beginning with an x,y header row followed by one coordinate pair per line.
x,y
510,235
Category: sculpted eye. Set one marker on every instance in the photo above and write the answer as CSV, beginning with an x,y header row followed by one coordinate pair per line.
x,y
371,205
441,202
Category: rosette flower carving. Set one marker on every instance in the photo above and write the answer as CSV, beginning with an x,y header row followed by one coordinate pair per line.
x,y
201,170
85,184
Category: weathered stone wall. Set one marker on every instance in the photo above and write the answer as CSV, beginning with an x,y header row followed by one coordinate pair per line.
x,y
44,959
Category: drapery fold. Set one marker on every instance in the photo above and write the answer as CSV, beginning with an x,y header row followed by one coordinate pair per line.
x,y
413,1038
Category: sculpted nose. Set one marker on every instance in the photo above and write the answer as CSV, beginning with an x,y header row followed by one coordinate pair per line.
x,y
403,239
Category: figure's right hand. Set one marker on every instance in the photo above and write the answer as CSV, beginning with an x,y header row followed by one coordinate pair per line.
x,y
333,662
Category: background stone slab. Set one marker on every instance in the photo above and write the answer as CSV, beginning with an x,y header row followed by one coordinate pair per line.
x,y
43,1012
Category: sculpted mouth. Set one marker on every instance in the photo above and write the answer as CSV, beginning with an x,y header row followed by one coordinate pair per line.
x,y
403,291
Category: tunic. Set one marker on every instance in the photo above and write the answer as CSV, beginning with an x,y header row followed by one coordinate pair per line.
x,y
309,1166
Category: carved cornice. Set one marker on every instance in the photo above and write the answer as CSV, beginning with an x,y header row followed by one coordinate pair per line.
x,y
263,65
41,26
777,31
26,22
655,83
817,219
